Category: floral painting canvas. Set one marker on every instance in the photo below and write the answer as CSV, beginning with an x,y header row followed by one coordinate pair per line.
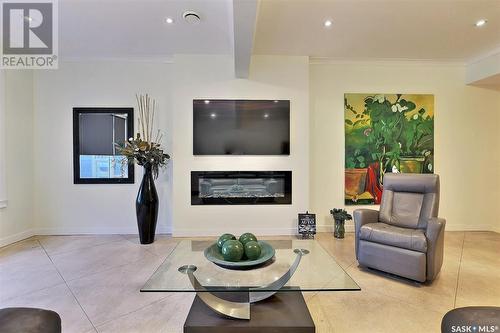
x,y
385,133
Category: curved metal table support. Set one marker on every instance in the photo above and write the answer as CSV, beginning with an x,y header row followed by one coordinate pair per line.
x,y
219,305
236,309
261,293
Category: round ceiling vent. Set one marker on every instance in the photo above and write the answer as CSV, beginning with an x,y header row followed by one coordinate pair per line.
x,y
191,17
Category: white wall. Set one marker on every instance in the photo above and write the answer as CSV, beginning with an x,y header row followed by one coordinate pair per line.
x,y
16,220
62,207
466,138
213,77
39,150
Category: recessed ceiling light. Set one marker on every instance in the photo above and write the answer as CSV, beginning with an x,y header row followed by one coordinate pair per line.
x,y
213,115
207,101
481,22
191,17
169,20
328,23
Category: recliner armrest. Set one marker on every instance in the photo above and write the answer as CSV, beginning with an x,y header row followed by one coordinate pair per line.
x,y
361,217
435,246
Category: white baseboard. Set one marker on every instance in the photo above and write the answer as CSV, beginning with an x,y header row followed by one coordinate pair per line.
x,y
329,228
17,237
449,227
62,231
97,231
470,227
179,232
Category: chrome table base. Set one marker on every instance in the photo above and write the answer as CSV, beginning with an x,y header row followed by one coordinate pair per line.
x,y
240,310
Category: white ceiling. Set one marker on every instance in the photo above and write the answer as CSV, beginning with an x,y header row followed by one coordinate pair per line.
x,y
378,29
362,29
96,29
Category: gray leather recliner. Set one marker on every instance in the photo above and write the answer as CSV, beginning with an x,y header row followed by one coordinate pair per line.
x,y
405,237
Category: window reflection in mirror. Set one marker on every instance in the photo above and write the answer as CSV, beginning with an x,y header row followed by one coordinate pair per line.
x,y
96,159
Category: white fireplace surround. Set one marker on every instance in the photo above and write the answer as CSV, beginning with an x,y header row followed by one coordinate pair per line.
x,y
271,77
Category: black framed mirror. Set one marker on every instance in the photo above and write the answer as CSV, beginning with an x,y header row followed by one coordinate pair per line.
x,y
95,157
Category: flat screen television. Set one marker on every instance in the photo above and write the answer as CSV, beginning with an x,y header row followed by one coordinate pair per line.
x,y
241,127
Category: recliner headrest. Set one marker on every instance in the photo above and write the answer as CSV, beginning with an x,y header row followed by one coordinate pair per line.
x,y
414,183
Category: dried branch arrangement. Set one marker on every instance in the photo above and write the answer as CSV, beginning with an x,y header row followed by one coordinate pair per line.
x,y
145,150
147,108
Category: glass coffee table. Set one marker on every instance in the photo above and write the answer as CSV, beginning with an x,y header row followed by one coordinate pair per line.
x,y
297,266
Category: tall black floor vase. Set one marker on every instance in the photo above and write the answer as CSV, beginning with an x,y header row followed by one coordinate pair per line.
x,y
146,207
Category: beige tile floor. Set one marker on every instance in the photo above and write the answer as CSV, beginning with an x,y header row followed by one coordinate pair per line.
x,y
93,282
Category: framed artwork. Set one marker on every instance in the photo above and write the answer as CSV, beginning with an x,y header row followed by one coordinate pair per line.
x,y
385,133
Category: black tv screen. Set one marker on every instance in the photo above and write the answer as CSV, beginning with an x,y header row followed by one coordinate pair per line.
x,y
241,127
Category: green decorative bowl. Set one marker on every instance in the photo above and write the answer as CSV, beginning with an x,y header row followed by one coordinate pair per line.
x,y
213,254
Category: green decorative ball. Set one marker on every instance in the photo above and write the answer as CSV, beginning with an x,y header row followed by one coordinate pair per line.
x,y
247,237
222,239
252,250
232,250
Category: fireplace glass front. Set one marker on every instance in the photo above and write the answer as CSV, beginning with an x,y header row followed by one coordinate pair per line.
x,y
241,187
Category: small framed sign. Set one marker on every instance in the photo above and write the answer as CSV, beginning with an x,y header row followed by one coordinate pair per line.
x,y
307,225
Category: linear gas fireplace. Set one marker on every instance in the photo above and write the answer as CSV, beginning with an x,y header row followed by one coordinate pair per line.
x,y
241,187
